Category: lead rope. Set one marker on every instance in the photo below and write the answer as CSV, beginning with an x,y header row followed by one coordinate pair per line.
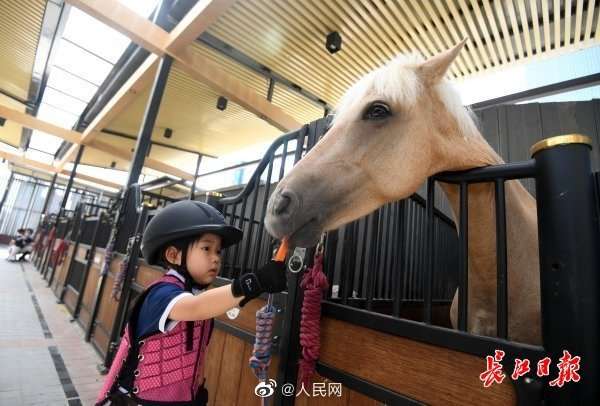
x,y
315,285
265,316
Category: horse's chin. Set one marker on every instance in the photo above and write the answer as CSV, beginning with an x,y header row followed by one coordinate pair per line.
x,y
306,236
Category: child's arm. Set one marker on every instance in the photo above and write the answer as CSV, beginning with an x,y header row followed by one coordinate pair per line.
x,y
206,305
214,302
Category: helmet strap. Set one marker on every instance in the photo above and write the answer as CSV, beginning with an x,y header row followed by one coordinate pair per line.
x,y
182,269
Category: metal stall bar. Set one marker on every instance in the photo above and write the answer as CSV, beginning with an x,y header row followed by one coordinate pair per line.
x,y
430,251
143,142
64,204
80,215
501,262
8,185
134,254
90,260
569,237
50,194
463,258
193,190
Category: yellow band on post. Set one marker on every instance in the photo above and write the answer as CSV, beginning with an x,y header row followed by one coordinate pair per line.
x,y
560,140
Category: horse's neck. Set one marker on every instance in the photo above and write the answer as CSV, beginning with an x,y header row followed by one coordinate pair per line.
x,y
482,212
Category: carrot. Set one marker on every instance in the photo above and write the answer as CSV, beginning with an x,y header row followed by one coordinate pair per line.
x,y
282,251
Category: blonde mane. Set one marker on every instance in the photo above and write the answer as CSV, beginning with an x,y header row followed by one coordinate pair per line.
x,y
398,82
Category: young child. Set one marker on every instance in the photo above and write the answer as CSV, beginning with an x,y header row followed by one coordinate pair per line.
x,y
162,352
16,245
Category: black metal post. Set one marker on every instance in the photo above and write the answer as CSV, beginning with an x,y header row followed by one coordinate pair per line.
x,y
70,183
289,350
134,254
79,219
50,194
569,241
64,203
8,186
463,258
501,262
193,191
143,140
90,260
429,256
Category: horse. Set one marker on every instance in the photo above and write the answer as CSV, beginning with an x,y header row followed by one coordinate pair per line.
x,y
394,128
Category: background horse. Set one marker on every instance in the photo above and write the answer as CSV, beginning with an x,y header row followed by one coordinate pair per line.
x,y
393,129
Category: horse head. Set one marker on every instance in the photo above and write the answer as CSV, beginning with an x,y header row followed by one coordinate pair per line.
x,y
394,128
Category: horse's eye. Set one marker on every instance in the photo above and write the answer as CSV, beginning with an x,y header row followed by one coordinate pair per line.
x,y
377,111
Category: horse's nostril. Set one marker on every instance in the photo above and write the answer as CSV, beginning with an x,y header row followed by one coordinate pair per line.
x,y
285,203
282,204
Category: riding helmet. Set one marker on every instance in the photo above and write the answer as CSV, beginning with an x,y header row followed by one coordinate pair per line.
x,y
185,219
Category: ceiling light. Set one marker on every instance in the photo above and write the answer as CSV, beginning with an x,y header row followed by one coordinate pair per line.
x,y
333,42
222,103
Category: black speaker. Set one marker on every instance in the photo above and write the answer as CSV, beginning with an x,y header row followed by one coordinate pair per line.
x,y
168,133
333,42
222,103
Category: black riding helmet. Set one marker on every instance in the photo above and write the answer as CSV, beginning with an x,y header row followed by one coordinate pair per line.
x,y
182,220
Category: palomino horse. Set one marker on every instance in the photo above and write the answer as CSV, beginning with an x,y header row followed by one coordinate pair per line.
x,y
393,129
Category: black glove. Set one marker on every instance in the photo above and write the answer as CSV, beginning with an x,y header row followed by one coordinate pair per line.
x,y
270,278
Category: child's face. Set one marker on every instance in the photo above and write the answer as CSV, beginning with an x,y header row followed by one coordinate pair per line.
x,y
204,259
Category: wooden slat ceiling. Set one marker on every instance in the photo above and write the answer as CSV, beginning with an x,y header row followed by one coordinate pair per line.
x,y
19,33
288,37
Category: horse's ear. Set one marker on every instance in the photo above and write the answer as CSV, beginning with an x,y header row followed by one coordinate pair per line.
x,y
434,69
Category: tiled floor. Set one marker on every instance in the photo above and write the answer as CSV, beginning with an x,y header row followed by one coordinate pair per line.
x,y
43,357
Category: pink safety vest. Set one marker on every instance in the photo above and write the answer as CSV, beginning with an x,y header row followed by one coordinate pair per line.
x,y
163,371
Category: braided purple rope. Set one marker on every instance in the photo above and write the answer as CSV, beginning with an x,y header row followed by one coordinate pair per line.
x,y
261,354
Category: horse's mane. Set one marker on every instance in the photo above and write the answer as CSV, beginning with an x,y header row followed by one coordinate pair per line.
x,y
398,81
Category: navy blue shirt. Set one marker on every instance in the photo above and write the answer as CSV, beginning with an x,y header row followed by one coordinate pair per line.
x,y
154,313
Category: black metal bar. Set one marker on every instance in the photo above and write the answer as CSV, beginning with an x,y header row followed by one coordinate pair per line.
x,y
363,258
373,258
50,193
134,255
480,346
8,186
88,265
370,389
348,256
71,177
251,226
61,295
283,160
64,202
270,89
263,212
463,258
193,190
569,238
143,140
399,263
430,251
508,171
152,142
289,350
501,262
542,91
252,64
241,227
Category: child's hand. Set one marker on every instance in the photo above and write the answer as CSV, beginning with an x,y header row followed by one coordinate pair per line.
x,y
270,278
